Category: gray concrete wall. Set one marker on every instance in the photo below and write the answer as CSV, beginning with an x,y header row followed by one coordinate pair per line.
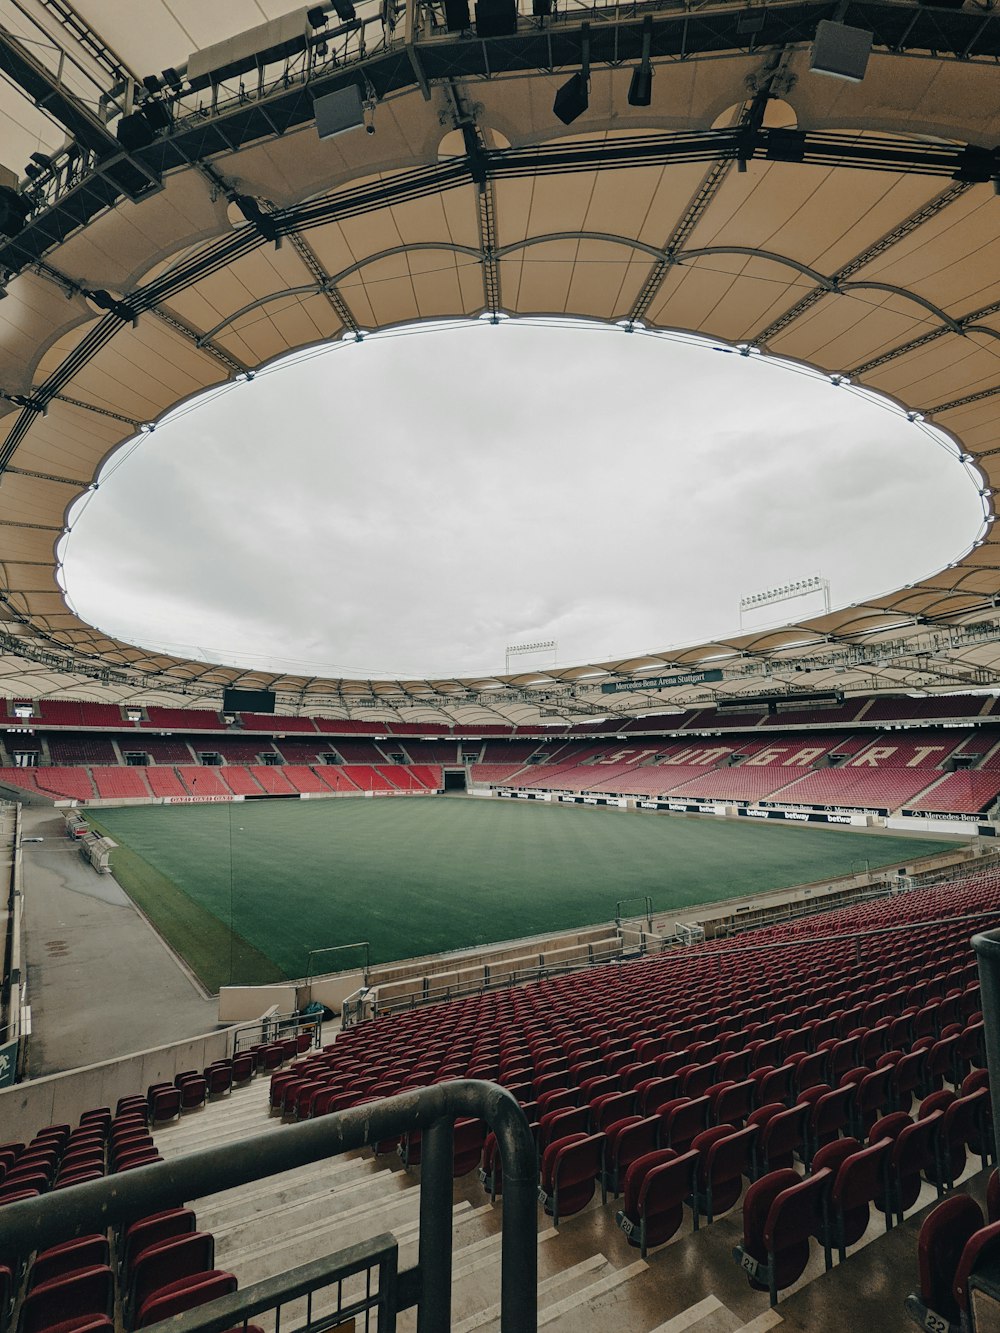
x,y
60,1098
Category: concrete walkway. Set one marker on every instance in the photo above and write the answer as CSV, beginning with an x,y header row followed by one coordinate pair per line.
x,y
101,982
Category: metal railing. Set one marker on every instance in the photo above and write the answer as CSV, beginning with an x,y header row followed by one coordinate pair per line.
x,y
273,1027
118,1200
987,947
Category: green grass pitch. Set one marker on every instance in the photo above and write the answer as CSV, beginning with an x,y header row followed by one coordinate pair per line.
x,y
423,875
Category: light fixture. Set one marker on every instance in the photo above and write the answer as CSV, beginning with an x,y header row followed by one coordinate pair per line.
x,y
573,97
640,92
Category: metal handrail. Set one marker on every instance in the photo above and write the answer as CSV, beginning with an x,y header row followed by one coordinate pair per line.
x,y
987,947
117,1200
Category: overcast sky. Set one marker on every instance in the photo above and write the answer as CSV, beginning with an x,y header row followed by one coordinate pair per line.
x,y
413,504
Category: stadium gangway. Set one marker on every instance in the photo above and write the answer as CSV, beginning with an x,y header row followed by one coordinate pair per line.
x,y
117,1200
273,1027
364,1004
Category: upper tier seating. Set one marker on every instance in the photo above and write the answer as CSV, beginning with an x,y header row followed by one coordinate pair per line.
x,y
86,749
161,749
302,752
235,749
426,752
270,722
182,719
359,752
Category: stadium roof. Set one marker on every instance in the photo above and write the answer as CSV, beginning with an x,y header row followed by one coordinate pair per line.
x,y
850,226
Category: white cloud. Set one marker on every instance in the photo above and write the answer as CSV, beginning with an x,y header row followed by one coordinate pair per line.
x,y
411,505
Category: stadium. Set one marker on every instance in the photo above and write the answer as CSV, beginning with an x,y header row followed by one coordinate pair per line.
x,y
656,991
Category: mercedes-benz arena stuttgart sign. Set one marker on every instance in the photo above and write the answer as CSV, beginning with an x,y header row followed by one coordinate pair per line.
x,y
683,167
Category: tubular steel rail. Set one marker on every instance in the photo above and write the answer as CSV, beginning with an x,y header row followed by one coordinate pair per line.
x,y
117,1200
987,947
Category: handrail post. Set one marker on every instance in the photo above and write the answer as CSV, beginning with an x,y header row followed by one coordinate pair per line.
x,y
987,947
436,1152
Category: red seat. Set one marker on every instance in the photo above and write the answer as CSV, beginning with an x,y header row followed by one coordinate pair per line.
x,y
981,1249
781,1133
912,1155
85,1292
612,1106
656,1187
858,1177
731,1103
555,1125
626,1142
570,1169
944,1233
165,1104
780,1213
186,1294
829,1109
680,1120
469,1137
724,1155
69,1257
149,1231
163,1263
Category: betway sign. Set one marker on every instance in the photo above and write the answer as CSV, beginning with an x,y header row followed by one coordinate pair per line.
x,y
661,682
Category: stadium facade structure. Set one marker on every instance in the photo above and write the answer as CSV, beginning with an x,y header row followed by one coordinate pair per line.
x,y
190,230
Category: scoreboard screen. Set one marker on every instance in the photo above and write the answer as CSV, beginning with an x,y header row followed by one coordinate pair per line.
x,y
248,701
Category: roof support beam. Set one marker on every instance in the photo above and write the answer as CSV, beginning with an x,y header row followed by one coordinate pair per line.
x,y
44,89
905,228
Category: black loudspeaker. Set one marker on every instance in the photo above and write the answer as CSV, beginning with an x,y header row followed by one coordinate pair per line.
x,y
14,209
571,100
456,14
157,114
338,112
496,18
541,8
841,51
134,132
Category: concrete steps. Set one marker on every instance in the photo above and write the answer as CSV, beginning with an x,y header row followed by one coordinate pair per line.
x,y
590,1279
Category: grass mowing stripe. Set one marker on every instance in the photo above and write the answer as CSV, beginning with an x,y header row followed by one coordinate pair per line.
x,y
201,939
427,874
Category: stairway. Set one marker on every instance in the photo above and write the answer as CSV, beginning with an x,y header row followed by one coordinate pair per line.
x,y
590,1279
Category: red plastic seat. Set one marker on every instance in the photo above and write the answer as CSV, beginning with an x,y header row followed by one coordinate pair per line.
x,y
570,1170
981,1249
85,1292
656,1188
555,1125
165,1104
185,1294
912,1155
780,1213
944,1233
858,1177
724,1156
163,1263
149,1231
781,1133
731,1103
627,1141
69,1257
469,1137
681,1120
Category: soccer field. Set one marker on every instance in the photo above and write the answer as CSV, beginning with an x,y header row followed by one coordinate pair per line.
x,y
422,875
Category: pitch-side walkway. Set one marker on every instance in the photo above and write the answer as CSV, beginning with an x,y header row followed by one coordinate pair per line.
x,y
101,982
